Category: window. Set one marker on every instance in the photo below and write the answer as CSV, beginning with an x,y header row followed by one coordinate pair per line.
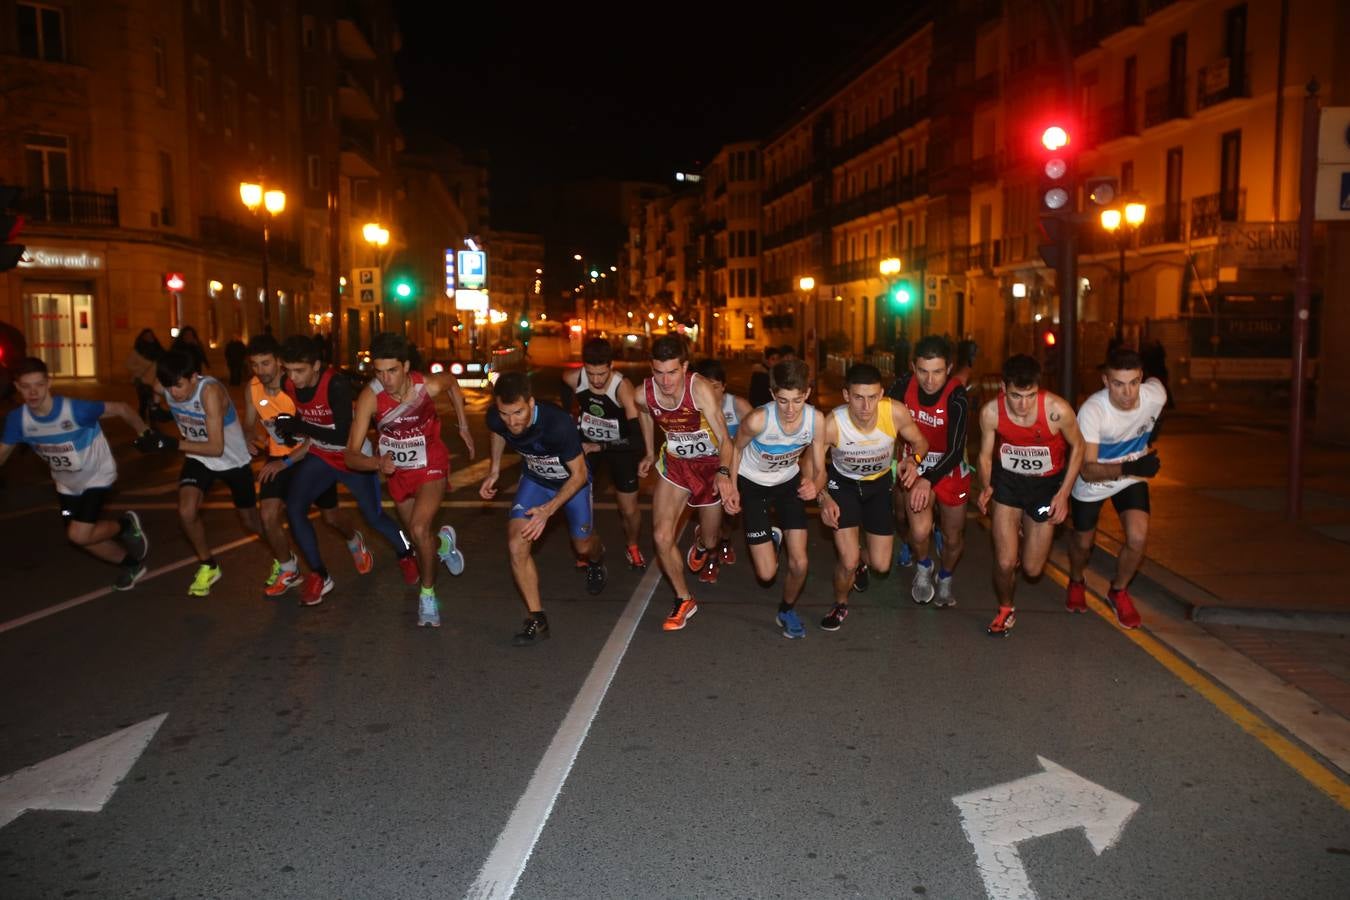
x,y
311,103
229,102
161,69
41,32
270,51
47,158
307,32
246,30
895,238
1230,176
313,172
1127,176
201,96
225,18
166,204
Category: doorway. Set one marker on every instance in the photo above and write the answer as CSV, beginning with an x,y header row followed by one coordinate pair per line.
x,y
61,332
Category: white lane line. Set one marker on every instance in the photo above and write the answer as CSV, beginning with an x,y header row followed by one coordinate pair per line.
x,y
103,592
497,879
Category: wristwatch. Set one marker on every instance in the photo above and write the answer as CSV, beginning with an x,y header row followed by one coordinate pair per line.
x,y
723,470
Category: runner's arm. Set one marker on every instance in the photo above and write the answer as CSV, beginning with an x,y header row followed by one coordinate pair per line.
x,y
706,403
488,489
631,428
957,407
751,427
985,464
5,451
340,401
457,400
357,460
1061,415
213,406
648,435
829,510
577,476
908,429
743,407
813,461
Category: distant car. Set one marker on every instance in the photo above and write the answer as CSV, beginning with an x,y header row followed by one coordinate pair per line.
x,y
471,373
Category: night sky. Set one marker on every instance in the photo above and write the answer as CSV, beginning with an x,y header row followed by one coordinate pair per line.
x,y
580,90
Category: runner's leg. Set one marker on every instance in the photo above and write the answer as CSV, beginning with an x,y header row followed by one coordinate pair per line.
x,y
96,539
1036,540
1003,525
312,477
1135,524
273,531
848,554
631,517
523,569
953,521
795,541
668,503
189,514
365,487
418,514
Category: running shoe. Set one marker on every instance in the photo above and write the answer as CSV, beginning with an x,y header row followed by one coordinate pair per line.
x,y
535,630
708,574
361,554
698,556
428,611
838,613
945,597
133,538
776,534
203,579
791,623
411,572
905,558
1076,599
679,614
635,558
314,588
861,578
596,576
1003,622
449,553
128,577
1123,604
282,579
726,555
922,590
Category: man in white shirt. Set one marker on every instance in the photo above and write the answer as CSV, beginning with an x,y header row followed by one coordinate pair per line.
x,y
1115,423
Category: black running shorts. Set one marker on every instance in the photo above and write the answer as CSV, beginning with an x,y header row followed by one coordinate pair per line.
x,y
1086,512
85,507
1029,493
623,466
281,483
239,480
863,503
758,502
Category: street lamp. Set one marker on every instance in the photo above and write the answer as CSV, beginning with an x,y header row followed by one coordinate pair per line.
x,y
807,285
268,203
1123,225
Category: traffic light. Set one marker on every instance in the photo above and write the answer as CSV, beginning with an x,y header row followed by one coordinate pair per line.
x,y
901,294
11,225
1048,349
1056,191
402,287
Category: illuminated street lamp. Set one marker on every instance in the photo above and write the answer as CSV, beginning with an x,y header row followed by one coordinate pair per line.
x,y
266,203
807,285
1123,225
377,236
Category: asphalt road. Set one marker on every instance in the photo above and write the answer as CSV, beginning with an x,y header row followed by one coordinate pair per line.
x,y
341,751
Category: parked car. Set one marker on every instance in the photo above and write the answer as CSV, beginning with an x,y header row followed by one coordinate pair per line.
x,y
470,372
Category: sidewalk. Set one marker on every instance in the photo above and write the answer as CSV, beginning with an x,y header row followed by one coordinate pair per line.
x,y
1219,545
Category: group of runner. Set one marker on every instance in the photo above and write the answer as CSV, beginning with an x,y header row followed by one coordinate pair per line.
x,y
884,453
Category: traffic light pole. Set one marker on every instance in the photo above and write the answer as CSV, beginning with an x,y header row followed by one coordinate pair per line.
x,y
1068,311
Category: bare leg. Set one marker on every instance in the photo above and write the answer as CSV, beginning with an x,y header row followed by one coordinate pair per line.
x,y
795,541
630,516
1080,551
668,503
1036,540
96,539
764,557
1135,523
272,510
920,527
523,569
881,550
847,555
953,534
189,515
1004,521
418,514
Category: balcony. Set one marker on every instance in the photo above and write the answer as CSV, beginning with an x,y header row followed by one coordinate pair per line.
x,y
352,40
358,156
233,236
985,257
787,233
1211,209
866,204
354,101
1164,103
912,186
1225,79
48,207
787,184
984,169
1116,121
1165,225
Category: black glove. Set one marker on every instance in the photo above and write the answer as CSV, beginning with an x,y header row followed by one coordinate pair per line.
x,y
1143,467
285,424
151,441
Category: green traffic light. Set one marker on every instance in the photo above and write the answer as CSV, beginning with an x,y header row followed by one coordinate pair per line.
x,y
900,295
524,323
403,289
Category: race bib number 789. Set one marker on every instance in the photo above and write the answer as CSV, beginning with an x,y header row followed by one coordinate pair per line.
x,y
1025,460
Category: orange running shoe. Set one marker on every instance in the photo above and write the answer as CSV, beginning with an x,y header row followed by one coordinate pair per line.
x,y
281,580
679,614
635,558
698,556
361,555
1003,622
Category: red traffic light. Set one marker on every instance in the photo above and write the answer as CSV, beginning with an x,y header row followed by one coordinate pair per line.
x,y
1054,138
174,281
1049,338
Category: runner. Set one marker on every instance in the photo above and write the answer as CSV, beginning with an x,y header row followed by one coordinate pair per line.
x,y
694,464
1117,424
610,433
323,404
1039,453
769,443
734,409
402,406
214,444
66,433
937,401
555,477
267,400
862,435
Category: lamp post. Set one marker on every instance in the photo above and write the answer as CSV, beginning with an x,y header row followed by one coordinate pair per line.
x,y
377,236
1123,225
807,285
267,203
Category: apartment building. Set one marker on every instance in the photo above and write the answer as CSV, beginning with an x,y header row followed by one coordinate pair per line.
x,y
131,124
729,248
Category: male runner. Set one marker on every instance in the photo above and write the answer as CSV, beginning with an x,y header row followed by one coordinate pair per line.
x,y
215,446
1117,423
769,443
694,464
734,409
323,404
1039,453
555,477
862,435
402,406
267,400
610,432
67,435
937,401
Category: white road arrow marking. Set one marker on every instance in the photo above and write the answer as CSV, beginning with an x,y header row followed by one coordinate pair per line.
x,y
82,779
996,818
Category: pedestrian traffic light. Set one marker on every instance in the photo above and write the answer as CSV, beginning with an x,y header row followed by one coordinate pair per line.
x,y
174,282
901,293
11,225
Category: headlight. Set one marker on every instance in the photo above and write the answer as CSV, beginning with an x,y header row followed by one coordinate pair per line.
x,y
456,369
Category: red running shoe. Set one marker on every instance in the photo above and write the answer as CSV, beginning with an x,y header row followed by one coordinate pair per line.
x,y
1076,600
727,556
408,564
1003,622
315,586
1123,604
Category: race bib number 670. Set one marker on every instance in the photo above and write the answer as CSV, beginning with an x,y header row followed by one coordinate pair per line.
x,y
691,444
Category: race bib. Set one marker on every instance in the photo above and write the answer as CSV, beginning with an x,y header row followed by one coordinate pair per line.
x,y
61,457
776,462
598,430
192,429
932,459
547,467
409,453
1025,460
862,463
691,444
